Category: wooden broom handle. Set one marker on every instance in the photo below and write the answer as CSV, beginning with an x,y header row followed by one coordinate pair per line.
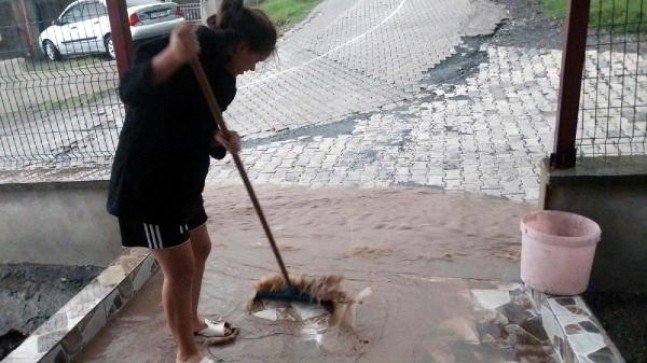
x,y
217,115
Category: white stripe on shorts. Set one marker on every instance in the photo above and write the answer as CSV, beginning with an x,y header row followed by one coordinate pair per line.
x,y
151,244
184,228
148,237
160,244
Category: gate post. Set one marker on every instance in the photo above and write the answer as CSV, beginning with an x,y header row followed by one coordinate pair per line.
x,y
564,152
120,33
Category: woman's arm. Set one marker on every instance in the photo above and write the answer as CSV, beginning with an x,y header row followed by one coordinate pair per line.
x,y
181,49
155,63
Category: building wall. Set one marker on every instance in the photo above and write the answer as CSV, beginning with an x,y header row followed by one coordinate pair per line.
x,y
57,223
613,192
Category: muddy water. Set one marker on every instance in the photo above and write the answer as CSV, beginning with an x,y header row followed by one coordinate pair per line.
x,y
397,241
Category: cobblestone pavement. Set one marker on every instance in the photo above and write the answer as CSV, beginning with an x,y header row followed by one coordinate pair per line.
x,y
480,121
484,134
353,57
445,135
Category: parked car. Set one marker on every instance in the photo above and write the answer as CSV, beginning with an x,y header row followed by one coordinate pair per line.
x,y
84,28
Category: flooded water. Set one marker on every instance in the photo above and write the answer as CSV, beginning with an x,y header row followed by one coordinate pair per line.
x,y
412,316
407,319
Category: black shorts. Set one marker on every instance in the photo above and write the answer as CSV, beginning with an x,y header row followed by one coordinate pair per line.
x,y
157,236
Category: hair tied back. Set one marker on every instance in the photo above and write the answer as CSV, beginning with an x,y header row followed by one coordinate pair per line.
x,y
231,5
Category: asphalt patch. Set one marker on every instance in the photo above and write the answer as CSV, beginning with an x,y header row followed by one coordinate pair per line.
x,y
460,66
307,133
529,26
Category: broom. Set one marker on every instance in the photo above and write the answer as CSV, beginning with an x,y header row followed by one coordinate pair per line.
x,y
278,287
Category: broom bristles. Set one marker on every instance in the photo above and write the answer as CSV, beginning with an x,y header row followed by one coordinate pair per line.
x,y
326,288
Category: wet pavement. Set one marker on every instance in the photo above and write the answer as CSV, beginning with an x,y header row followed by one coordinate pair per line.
x,y
407,319
411,316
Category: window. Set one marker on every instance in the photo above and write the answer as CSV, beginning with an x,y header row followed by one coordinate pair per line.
x,y
94,10
72,15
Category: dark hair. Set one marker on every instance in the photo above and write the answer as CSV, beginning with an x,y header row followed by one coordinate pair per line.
x,y
243,24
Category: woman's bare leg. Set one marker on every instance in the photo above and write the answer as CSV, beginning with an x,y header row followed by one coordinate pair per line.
x,y
178,266
201,246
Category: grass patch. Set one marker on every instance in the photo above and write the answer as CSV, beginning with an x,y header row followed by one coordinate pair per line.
x,y
71,103
625,16
285,13
75,102
39,65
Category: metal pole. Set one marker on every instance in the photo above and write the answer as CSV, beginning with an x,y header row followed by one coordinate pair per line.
x,y
564,152
26,28
120,33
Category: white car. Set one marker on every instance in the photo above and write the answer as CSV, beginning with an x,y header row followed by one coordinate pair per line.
x,y
84,28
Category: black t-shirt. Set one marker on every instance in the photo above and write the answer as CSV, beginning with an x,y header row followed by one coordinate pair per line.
x,y
162,159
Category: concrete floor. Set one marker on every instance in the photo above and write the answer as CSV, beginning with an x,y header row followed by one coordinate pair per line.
x,y
470,314
408,319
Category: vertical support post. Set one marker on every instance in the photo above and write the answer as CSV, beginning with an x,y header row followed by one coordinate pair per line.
x,y
29,43
564,153
120,33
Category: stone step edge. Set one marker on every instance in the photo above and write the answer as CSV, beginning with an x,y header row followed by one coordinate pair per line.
x,y
575,333
72,327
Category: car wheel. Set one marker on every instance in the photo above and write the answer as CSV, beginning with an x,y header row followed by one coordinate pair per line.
x,y
51,51
110,47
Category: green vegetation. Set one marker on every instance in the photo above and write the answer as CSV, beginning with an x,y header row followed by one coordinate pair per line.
x,y
285,13
626,16
75,102
70,103
38,65
555,8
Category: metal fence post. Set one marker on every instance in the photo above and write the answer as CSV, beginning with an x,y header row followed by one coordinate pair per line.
x,y
120,33
26,29
564,152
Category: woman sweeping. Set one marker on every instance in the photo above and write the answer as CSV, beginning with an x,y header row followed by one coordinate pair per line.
x,y
163,155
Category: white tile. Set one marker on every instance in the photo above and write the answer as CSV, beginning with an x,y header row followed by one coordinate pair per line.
x,y
585,344
491,299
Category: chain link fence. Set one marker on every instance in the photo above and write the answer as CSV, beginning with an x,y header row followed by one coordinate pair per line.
x,y
58,103
60,113
58,81
613,111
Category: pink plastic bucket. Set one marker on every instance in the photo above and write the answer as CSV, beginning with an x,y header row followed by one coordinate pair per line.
x,y
557,250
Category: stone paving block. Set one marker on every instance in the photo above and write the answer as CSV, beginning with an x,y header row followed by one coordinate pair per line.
x,y
436,181
453,174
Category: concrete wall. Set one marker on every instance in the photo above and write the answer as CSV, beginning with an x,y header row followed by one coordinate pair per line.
x,y
613,192
57,223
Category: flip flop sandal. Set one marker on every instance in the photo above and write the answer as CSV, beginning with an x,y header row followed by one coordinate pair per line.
x,y
217,332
